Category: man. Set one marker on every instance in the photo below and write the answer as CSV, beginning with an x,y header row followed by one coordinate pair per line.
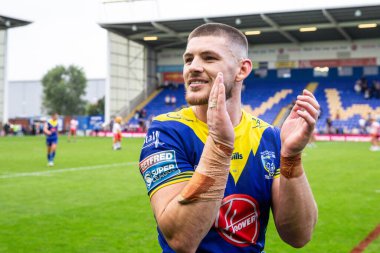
x,y
116,130
73,129
375,134
213,171
51,132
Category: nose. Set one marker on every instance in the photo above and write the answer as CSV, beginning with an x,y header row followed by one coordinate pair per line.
x,y
196,65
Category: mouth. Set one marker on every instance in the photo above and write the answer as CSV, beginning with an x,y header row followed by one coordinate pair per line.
x,y
194,83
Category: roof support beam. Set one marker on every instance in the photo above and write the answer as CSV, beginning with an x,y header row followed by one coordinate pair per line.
x,y
207,20
153,31
167,30
175,43
273,24
336,25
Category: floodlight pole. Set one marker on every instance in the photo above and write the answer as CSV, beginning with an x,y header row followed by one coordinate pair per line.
x,y
5,63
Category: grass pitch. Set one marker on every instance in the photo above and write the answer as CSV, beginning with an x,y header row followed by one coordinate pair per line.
x,y
94,199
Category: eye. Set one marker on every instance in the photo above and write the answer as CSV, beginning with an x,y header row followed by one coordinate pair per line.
x,y
210,58
188,60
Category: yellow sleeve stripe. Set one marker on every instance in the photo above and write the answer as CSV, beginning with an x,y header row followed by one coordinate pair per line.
x,y
185,176
168,183
277,175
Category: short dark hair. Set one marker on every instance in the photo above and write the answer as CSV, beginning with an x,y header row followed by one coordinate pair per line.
x,y
219,29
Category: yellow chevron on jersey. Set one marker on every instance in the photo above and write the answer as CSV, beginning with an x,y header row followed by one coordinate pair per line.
x,y
187,117
53,123
245,141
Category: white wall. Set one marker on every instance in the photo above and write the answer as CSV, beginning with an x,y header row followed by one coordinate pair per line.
x,y
127,73
25,97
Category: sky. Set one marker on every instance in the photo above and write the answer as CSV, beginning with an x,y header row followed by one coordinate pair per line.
x,y
63,32
66,32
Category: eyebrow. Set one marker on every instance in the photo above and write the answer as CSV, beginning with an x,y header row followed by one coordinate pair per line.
x,y
208,52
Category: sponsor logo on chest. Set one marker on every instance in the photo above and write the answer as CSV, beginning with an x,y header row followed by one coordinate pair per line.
x,y
238,220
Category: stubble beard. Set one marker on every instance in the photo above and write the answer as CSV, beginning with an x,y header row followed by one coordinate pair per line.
x,y
203,100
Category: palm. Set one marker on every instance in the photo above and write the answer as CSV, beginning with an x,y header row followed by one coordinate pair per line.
x,y
295,133
218,120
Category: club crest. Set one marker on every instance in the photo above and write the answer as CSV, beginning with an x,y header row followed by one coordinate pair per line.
x,y
267,159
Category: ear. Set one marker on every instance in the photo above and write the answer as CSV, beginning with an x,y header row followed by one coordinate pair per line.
x,y
244,71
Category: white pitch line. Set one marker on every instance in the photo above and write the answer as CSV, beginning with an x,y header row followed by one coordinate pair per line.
x,y
48,172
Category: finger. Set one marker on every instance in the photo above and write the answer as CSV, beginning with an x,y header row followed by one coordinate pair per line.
x,y
221,96
308,107
309,100
308,93
214,93
307,117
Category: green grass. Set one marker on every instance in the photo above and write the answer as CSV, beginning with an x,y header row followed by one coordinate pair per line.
x,y
102,206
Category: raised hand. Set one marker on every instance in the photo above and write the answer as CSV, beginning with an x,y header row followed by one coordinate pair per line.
x,y
218,120
299,126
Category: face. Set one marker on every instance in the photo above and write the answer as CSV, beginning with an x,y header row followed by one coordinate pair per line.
x,y
204,58
55,116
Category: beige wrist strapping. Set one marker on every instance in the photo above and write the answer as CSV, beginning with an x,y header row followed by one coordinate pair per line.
x,y
291,167
209,179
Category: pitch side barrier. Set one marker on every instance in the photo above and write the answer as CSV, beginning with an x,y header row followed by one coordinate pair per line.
x,y
319,137
125,134
343,137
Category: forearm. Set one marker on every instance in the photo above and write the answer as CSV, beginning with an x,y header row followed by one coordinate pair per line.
x,y
296,213
184,226
189,216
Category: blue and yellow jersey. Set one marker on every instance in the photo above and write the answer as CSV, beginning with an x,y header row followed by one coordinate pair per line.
x,y
52,126
171,152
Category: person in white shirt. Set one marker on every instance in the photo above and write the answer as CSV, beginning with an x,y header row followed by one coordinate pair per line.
x,y
375,134
73,129
116,130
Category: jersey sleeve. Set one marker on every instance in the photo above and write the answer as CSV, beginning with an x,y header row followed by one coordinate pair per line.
x,y
275,142
163,159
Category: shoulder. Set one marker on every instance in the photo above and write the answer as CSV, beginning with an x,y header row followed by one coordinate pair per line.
x,y
184,115
182,125
258,125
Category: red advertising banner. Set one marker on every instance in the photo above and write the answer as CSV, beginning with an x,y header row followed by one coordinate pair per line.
x,y
173,77
338,62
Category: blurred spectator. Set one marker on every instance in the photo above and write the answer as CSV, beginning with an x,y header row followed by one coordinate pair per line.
x,y
329,126
173,100
367,93
363,84
111,125
362,126
166,84
143,113
357,86
376,89
167,100
97,127
7,128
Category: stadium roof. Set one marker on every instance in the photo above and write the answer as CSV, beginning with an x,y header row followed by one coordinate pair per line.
x,y
7,22
335,24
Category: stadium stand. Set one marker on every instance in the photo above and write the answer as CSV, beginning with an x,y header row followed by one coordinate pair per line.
x,y
271,98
